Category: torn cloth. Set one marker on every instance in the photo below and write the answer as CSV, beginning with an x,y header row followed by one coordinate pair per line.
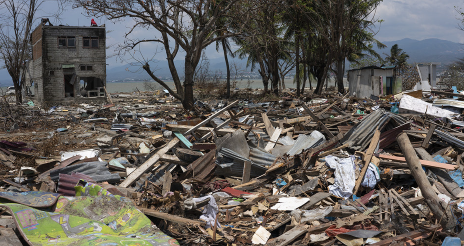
x,y
209,212
372,176
344,175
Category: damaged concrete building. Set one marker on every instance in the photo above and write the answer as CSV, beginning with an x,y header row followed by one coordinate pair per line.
x,y
68,64
374,81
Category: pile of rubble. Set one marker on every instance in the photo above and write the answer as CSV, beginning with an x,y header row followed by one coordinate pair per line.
x,y
326,171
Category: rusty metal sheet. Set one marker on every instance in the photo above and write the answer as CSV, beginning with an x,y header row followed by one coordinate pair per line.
x,y
389,136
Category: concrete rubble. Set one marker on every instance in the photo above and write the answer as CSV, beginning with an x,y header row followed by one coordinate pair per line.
x,y
327,170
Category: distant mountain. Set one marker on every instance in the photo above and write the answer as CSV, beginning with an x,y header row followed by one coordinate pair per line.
x,y
420,51
427,50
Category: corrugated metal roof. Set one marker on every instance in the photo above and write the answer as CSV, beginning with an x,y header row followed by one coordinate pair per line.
x,y
448,102
304,142
231,164
262,157
450,138
67,183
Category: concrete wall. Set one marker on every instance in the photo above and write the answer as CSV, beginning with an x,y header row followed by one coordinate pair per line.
x,y
50,66
366,82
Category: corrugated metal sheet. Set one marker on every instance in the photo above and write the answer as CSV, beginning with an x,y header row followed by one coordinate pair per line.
x,y
231,164
450,138
96,170
304,142
67,183
360,135
262,157
448,102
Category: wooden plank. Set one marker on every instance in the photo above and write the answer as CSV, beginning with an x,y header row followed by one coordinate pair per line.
x,y
267,123
297,231
148,163
203,146
321,147
425,144
167,183
170,217
173,159
220,126
326,153
406,236
422,162
315,118
315,199
290,235
201,130
275,136
367,159
398,202
210,118
246,172
405,202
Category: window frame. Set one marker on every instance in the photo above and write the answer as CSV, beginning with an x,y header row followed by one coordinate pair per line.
x,y
66,39
90,40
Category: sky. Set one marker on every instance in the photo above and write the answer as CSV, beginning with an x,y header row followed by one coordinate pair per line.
x,y
415,19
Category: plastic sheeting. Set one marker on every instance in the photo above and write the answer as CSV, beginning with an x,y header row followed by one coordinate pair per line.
x,y
344,175
96,170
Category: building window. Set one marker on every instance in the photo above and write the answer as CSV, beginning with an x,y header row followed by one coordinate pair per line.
x,y
66,42
86,68
90,42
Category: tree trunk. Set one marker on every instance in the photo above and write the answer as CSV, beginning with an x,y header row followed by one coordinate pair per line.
x,y
18,92
297,63
226,59
438,208
275,73
188,99
304,77
340,73
320,84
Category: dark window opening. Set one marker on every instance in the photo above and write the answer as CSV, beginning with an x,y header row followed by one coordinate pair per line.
x,y
52,72
90,42
91,87
86,68
69,79
67,42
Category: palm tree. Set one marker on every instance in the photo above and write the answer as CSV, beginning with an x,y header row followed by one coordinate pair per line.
x,y
397,57
226,49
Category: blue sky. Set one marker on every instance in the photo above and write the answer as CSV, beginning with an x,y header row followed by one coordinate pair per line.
x,y
415,19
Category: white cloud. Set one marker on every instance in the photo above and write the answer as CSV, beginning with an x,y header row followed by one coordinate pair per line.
x,y
419,19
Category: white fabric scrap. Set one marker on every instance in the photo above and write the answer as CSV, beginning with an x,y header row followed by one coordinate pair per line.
x,y
344,175
209,212
372,176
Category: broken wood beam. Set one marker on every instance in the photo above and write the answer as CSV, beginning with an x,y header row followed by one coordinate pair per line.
x,y
210,118
431,198
425,144
406,236
442,176
148,163
202,130
246,172
315,118
422,162
367,159
170,217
